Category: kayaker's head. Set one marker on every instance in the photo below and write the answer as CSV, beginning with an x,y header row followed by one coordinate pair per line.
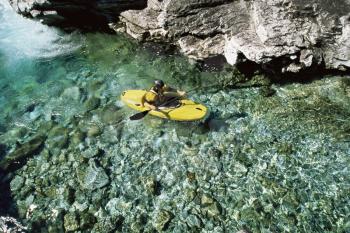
x,y
159,83
158,86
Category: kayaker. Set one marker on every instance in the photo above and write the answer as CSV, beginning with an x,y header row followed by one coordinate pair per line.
x,y
160,94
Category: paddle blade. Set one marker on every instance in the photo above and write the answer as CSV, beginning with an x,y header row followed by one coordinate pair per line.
x,y
139,115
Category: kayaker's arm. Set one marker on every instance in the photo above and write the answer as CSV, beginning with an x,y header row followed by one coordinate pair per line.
x,y
150,106
145,101
181,93
172,92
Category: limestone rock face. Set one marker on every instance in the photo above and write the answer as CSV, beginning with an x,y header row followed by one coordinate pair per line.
x,y
297,33
285,35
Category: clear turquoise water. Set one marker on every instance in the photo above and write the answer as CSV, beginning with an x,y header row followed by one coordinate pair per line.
x,y
38,62
31,56
274,164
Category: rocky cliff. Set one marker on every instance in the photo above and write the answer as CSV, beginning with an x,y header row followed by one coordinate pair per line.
x,y
288,35
76,13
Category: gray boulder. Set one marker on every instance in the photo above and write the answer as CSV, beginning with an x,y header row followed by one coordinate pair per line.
x,y
71,222
299,33
282,35
93,177
162,219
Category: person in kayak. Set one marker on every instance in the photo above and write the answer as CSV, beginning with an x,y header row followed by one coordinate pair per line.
x,y
159,94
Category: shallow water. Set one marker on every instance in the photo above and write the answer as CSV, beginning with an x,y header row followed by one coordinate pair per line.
x,y
267,164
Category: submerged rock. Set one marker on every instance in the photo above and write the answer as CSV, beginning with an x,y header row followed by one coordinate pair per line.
x,y
87,220
93,131
17,183
57,139
207,200
194,221
23,152
162,220
92,103
72,93
116,207
110,114
71,222
151,185
106,224
213,210
93,177
77,137
210,206
91,152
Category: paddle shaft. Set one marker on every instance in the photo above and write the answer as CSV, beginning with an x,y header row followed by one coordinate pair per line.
x,y
142,114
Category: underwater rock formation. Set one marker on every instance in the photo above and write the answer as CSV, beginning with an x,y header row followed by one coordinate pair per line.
x,y
202,180
261,161
23,152
9,224
285,36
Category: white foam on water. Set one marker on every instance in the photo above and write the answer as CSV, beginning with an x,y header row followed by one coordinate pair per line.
x,y
21,37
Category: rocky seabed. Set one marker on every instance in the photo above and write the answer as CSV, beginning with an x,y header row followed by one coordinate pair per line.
x,y
260,163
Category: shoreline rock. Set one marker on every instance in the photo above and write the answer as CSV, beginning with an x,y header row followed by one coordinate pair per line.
x,y
83,14
286,36
302,35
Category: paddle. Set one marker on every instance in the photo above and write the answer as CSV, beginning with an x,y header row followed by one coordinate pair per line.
x,y
141,115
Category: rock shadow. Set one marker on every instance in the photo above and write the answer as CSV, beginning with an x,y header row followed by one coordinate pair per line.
x,y
7,204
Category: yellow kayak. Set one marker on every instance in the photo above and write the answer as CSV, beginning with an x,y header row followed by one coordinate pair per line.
x,y
186,110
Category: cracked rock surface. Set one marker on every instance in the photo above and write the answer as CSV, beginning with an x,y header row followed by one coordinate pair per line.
x,y
287,35
301,33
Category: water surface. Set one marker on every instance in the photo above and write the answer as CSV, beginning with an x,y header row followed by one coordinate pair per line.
x,y
266,163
